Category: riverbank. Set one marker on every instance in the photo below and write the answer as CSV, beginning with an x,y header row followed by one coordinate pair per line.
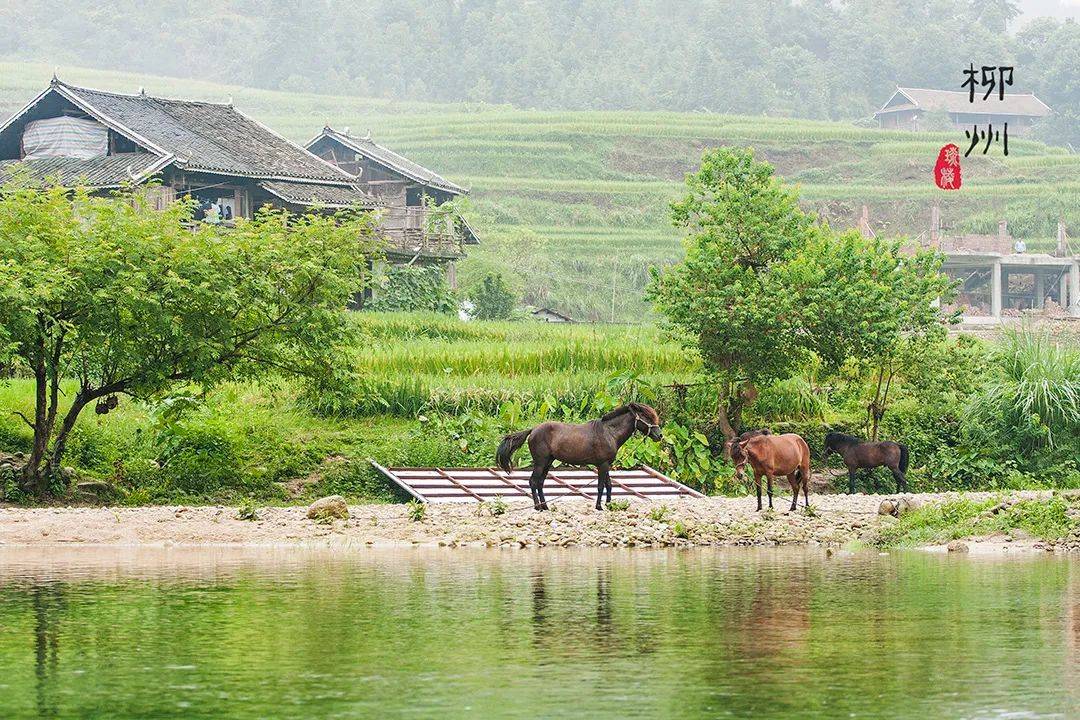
x,y
834,521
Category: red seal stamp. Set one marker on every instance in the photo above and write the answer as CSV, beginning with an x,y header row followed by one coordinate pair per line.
x,y
947,168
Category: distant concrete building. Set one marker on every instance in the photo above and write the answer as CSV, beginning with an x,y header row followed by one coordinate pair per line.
x,y
907,108
999,278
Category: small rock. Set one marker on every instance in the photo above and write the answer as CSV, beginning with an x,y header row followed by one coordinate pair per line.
x,y
957,546
906,505
332,507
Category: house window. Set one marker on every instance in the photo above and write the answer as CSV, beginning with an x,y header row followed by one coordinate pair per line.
x,y
414,196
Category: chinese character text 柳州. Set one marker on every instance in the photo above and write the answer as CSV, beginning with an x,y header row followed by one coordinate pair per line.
x,y
986,138
991,77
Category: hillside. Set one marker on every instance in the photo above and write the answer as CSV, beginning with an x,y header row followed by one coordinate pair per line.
x,y
574,204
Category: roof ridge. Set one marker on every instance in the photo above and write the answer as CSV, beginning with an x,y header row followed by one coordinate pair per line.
x,y
140,95
961,92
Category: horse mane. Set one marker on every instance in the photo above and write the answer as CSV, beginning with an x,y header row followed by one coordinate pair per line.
x,y
628,408
843,438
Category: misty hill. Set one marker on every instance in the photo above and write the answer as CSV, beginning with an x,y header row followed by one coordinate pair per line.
x,y
569,203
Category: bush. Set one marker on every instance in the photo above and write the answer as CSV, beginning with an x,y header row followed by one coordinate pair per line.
x,y
412,288
492,299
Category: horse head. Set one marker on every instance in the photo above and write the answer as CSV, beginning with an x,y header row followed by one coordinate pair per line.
x,y
736,449
647,420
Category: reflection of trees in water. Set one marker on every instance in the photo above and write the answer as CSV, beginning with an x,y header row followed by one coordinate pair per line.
x,y
49,602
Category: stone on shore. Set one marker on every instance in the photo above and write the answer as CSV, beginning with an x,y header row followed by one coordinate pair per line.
x,y
332,507
957,546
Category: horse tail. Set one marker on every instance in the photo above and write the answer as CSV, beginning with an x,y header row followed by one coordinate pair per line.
x,y
508,447
903,457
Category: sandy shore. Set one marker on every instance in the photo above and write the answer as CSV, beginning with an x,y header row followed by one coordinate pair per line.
x,y
836,521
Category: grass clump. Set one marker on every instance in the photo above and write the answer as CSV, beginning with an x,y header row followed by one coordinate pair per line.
x,y
416,510
618,505
1044,518
247,511
659,513
681,530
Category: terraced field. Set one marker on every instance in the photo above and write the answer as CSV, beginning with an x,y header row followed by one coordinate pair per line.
x,y
573,205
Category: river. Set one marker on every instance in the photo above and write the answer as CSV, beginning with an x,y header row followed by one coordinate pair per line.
x,y
430,633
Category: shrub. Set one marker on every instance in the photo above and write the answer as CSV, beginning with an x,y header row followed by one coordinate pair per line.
x,y
491,298
412,288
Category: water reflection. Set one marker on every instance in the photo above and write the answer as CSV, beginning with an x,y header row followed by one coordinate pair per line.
x,y
289,633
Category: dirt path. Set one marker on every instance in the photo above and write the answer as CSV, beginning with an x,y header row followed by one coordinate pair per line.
x,y
838,519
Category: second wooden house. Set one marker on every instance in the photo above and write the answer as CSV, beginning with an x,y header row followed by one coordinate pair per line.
x,y
408,195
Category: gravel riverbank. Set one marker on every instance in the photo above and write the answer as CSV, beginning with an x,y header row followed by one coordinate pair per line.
x,y
835,521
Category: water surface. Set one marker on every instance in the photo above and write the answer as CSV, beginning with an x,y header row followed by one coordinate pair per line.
x,y
190,633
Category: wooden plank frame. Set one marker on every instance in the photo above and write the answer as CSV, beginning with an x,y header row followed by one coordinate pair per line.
x,y
479,484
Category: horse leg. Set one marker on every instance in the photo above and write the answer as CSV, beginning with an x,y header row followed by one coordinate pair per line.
x,y
901,481
601,482
757,486
536,484
805,472
768,478
540,484
851,480
793,479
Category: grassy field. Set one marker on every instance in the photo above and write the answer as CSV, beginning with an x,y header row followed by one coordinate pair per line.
x,y
276,442
573,205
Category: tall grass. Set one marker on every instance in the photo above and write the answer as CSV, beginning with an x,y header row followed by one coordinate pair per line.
x,y
1036,393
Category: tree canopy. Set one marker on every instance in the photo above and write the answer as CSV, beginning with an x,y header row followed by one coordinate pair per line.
x,y
764,285
102,297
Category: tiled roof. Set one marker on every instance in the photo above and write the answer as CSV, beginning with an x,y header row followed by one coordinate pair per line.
x,y
334,196
107,171
385,156
206,137
958,102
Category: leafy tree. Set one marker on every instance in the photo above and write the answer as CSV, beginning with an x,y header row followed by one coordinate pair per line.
x,y
103,297
491,298
763,286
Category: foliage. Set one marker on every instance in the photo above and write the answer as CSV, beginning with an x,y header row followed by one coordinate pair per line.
x,y
247,510
659,513
491,298
619,505
1033,401
412,288
416,510
126,300
763,287
1047,519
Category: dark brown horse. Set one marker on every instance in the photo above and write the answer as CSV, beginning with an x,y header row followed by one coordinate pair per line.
x,y
858,454
772,455
591,443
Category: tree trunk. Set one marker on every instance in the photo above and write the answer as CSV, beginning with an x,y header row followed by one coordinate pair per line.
x,y
60,444
729,416
33,479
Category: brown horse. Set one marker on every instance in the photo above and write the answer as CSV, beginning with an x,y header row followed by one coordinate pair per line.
x,y
772,455
858,454
592,443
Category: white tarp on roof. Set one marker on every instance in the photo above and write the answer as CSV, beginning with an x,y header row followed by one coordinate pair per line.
x,y
65,137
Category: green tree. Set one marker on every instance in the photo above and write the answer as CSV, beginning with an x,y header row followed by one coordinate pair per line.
x,y
763,286
491,298
114,298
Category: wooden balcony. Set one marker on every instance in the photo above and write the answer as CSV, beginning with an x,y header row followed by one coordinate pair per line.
x,y
408,231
